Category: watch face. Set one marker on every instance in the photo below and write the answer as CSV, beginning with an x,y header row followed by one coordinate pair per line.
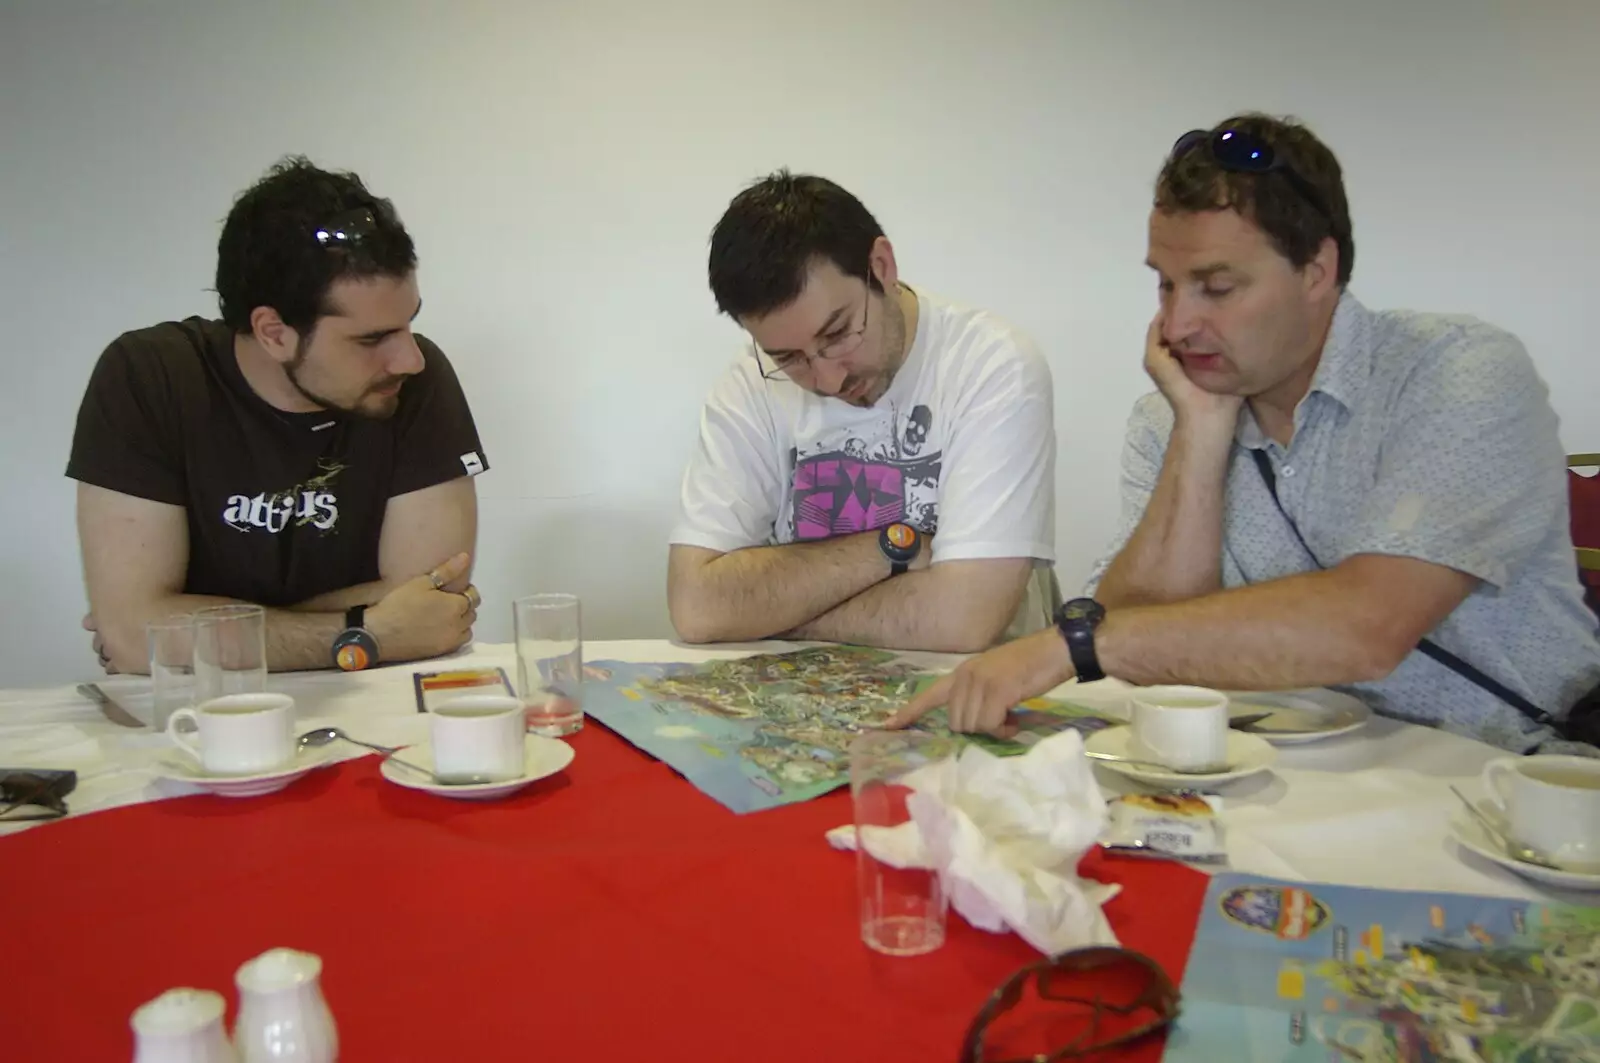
x,y
352,653
899,542
901,535
352,657
1082,609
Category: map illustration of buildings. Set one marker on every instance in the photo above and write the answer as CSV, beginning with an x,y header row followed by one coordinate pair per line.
x,y
774,729
1295,971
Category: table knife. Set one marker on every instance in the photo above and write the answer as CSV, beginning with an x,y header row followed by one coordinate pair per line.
x,y
108,706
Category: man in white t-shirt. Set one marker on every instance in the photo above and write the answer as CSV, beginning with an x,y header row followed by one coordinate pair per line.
x,y
879,467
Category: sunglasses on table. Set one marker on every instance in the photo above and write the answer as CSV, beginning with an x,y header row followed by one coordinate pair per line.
x,y
39,794
1240,152
1082,1002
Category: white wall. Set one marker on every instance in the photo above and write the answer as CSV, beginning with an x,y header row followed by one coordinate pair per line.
x,y
561,165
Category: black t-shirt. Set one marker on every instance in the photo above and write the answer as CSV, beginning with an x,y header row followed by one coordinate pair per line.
x,y
281,506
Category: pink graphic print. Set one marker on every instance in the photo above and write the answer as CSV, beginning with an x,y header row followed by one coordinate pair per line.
x,y
835,494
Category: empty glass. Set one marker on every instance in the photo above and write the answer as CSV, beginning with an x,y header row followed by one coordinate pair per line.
x,y
172,686
902,907
549,633
230,651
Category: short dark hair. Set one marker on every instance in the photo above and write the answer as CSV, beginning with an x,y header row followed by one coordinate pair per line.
x,y
772,232
1195,181
269,254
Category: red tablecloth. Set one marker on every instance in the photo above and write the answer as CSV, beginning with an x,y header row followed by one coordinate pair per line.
x,y
612,912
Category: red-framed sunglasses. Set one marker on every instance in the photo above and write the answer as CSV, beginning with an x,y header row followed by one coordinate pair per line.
x,y
1084,1001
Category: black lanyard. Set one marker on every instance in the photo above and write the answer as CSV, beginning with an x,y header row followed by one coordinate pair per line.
x,y
1427,646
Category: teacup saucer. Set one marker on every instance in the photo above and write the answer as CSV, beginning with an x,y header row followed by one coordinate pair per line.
x,y
1247,754
541,757
1293,717
177,767
1470,835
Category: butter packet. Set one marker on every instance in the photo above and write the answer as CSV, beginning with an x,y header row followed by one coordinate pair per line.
x,y
1183,825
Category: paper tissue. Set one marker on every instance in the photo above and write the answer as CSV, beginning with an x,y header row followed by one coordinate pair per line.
x,y
1007,833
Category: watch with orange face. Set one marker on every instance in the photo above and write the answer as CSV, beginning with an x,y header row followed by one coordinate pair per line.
x,y
900,543
355,647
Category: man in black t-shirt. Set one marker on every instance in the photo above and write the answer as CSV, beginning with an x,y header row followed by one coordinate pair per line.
x,y
308,452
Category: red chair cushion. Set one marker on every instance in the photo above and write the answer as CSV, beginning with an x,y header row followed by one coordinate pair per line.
x,y
1585,493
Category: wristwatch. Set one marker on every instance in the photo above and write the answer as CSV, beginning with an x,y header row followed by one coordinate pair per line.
x,y
900,543
1076,620
355,647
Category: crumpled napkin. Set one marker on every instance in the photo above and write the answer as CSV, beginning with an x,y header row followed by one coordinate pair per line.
x,y
1006,833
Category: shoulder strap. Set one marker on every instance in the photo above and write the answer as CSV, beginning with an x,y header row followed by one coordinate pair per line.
x,y
1427,646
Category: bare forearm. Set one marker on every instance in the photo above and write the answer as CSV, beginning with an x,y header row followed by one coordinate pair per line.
x,y
1304,630
340,600
895,614
1176,551
764,590
940,609
295,640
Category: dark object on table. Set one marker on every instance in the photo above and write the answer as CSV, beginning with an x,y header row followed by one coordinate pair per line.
x,y
1085,1001
42,788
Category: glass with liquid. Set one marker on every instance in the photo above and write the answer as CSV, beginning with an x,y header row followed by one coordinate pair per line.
x,y
549,633
902,898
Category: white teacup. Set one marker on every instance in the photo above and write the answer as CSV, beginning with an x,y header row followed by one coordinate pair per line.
x,y
1185,728
479,738
1551,804
240,734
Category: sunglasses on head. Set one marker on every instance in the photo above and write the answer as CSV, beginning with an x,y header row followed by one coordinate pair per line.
x,y
1242,152
348,229
1083,1002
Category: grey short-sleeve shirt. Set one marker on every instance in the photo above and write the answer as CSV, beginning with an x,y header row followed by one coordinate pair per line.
x,y
1425,436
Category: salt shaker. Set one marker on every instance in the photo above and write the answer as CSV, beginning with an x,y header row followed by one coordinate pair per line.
x,y
182,1026
283,1017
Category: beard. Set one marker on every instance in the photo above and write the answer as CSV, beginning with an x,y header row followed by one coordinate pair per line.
x,y
370,404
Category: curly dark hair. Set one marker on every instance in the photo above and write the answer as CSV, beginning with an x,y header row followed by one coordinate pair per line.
x,y
269,254
771,232
1195,181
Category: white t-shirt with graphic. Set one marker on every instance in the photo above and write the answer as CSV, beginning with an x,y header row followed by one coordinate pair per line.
x,y
961,445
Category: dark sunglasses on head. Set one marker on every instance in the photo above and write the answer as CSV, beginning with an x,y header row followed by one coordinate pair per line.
x,y
1242,152
1088,1000
348,229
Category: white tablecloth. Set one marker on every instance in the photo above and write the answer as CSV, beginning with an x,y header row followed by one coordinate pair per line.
x,y
1369,809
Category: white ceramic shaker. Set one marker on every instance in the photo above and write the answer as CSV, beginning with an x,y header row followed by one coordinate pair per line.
x,y
182,1026
283,1017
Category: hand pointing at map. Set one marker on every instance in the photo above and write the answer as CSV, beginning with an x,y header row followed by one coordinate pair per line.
x,y
980,694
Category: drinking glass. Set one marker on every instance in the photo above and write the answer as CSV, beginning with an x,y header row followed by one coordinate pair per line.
x,y
230,651
902,908
171,644
549,634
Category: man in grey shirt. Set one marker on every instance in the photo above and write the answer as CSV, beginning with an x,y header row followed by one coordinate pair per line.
x,y
1419,479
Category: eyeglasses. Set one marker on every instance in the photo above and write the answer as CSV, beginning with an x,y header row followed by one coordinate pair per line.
x,y
1242,152
43,789
1094,999
799,362
354,227
348,229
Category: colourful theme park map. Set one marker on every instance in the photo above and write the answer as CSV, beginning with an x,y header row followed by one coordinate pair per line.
x,y
774,729
1291,971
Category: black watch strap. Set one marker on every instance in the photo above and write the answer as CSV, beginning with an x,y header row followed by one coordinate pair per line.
x,y
355,648
1077,620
